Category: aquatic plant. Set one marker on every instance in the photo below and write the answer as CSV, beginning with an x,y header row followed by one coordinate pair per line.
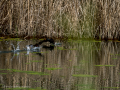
x,y
66,18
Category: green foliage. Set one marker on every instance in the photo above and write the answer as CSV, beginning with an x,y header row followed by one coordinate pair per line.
x,y
81,75
27,72
53,68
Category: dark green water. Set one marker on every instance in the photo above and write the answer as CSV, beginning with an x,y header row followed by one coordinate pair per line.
x,y
74,65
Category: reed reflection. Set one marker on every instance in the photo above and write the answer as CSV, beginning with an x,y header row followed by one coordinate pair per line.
x,y
73,65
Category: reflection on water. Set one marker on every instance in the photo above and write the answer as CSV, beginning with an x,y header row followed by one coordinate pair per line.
x,y
75,65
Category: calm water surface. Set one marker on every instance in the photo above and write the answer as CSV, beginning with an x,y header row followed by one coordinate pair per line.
x,y
74,65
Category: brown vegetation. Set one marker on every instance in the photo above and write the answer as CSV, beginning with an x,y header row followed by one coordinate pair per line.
x,y
60,18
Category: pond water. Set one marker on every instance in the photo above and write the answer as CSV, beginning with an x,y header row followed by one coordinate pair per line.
x,y
74,65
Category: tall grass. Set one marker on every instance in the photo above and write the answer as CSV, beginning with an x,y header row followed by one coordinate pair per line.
x,y
60,18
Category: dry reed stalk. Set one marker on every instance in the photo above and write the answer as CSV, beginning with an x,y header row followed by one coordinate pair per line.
x,y
85,18
110,19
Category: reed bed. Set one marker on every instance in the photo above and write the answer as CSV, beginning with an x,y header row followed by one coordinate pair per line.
x,y
60,18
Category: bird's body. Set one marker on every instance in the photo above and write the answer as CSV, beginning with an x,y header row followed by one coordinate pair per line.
x,y
37,45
